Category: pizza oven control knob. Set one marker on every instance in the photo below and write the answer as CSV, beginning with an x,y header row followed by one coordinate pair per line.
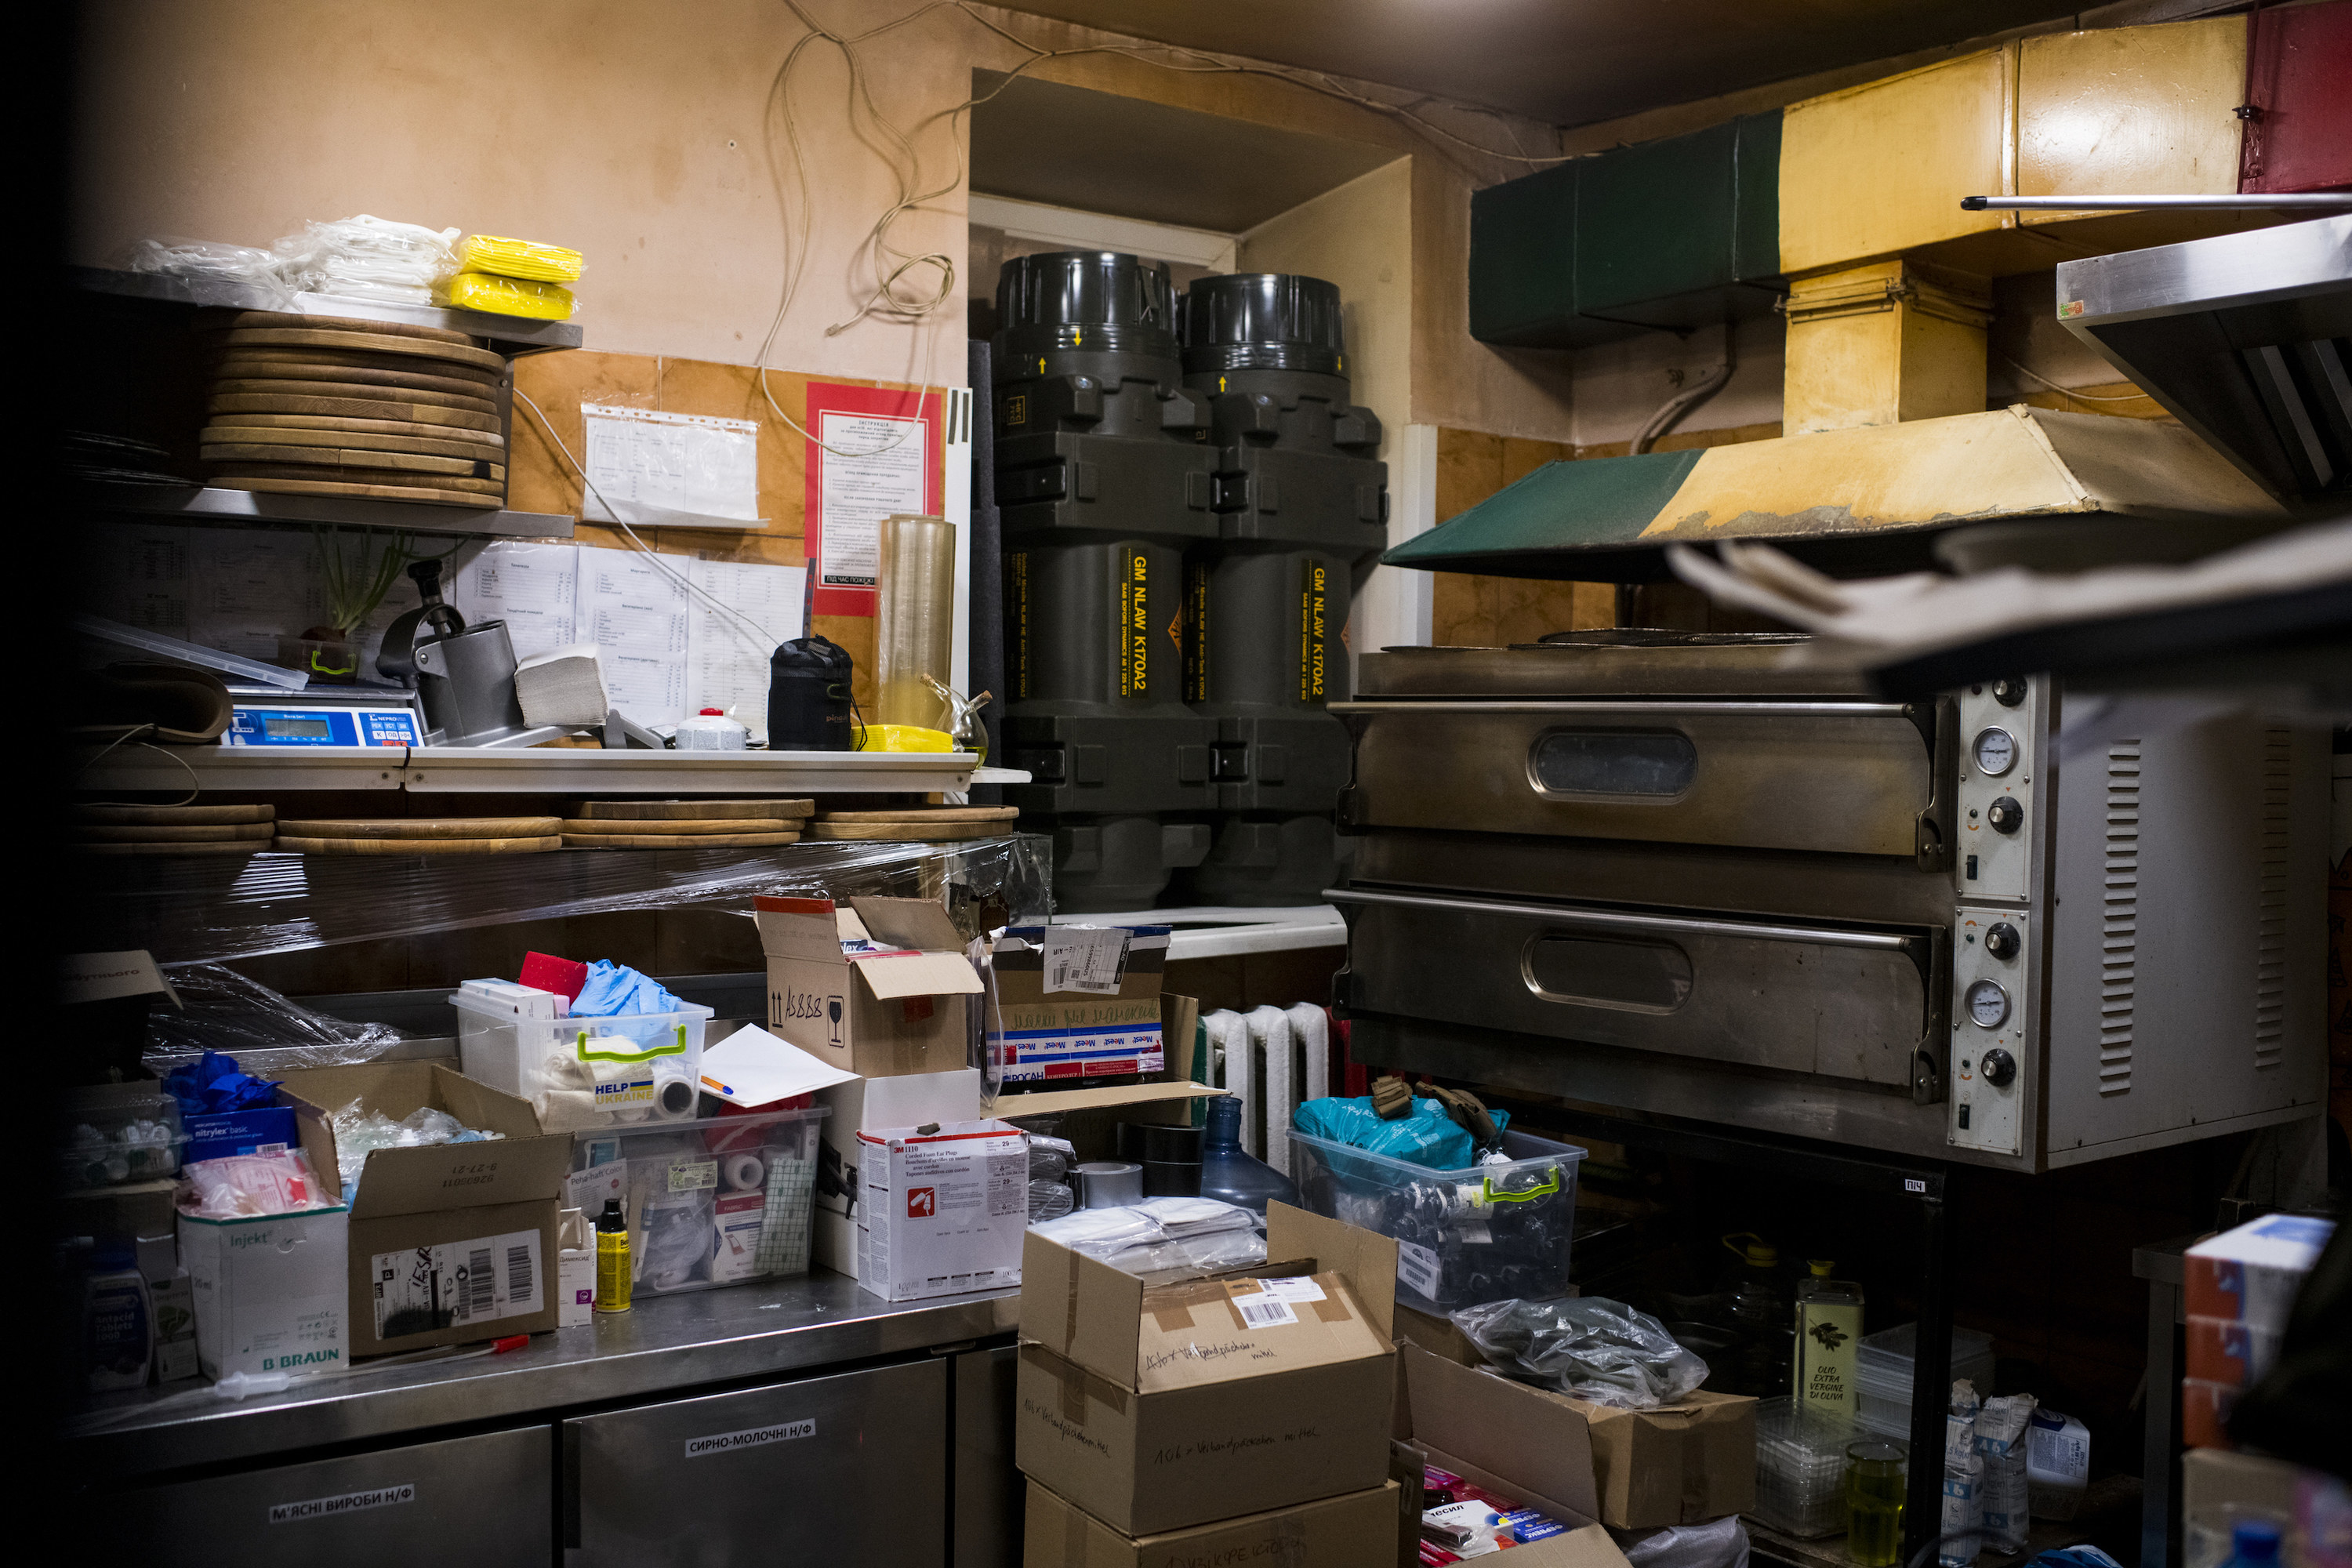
x,y
2005,815
2001,939
2008,690
1997,1067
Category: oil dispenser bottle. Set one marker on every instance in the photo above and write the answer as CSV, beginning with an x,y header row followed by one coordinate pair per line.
x,y
1829,1327
1760,1312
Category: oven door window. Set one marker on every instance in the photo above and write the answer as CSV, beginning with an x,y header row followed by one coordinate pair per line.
x,y
1652,765
1607,971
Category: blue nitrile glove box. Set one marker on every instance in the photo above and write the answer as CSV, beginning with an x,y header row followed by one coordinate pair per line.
x,y
213,1134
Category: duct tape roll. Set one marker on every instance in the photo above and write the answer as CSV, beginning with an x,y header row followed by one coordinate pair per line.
x,y
1108,1184
742,1173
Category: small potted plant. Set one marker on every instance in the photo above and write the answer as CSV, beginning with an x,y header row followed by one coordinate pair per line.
x,y
355,579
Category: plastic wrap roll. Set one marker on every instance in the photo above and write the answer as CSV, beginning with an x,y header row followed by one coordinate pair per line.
x,y
915,620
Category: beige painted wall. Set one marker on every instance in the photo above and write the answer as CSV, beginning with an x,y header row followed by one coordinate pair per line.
x,y
640,134
1359,237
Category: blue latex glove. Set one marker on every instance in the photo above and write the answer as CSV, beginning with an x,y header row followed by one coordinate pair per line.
x,y
1428,1137
617,991
212,1084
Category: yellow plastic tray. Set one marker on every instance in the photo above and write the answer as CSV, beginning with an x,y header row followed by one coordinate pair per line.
x,y
904,737
519,259
504,296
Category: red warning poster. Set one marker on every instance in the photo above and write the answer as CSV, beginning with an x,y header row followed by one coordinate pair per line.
x,y
878,451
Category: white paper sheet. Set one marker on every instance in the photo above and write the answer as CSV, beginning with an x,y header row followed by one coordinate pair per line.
x,y
534,588
635,614
727,662
675,469
142,577
250,588
859,491
752,1067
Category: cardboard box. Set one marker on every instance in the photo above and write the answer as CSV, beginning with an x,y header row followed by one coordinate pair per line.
x,y
2251,1274
1352,1530
2223,1350
1154,1410
1680,1464
2205,1409
2216,1484
881,988
869,1105
944,1213
270,1293
451,1242
1078,1002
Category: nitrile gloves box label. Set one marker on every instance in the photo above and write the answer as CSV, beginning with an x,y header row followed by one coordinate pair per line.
x,y
944,1212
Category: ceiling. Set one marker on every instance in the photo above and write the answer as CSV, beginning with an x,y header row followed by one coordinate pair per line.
x,y
1073,147
1566,62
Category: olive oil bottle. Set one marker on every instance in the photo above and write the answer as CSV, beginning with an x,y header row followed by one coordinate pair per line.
x,y
1829,1326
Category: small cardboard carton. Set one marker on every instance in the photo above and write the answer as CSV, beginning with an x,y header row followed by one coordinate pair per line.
x,y
881,988
2250,1274
1352,1530
1679,1464
449,1242
1078,1002
945,1210
270,1293
1154,1410
871,1105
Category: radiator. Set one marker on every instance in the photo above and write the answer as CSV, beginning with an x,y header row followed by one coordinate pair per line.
x,y
1270,1059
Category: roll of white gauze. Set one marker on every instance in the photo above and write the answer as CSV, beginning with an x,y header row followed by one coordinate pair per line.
x,y
674,1092
744,1172
568,1110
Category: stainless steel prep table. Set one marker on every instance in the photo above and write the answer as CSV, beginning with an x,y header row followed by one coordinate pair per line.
x,y
676,1349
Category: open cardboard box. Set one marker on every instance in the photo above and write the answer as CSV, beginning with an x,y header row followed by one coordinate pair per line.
x,y
425,1221
1157,1409
897,1001
1681,1464
1049,1024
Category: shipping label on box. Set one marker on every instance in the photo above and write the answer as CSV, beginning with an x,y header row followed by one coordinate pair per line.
x,y
945,1212
1078,1002
454,1284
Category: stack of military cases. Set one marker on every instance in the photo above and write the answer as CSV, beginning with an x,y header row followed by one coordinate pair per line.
x,y
1188,503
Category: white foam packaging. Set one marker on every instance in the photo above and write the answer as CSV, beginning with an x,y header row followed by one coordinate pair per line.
x,y
943,1209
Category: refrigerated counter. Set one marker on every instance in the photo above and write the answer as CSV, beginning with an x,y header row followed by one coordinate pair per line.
x,y
802,1419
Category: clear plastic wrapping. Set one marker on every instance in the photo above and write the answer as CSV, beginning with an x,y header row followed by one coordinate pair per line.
x,y
1588,1347
1162,1240
213,261
367,257
518,259
216,909
269,1035
505,296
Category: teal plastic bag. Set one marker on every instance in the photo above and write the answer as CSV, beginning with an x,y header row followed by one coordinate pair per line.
x,y
1428,1137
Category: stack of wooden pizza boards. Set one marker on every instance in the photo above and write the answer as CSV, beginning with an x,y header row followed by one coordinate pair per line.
x,y
325,406
419,835
684,823
172,829
919,823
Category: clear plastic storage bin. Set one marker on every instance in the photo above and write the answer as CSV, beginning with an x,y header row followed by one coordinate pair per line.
x,y
117,1133
1483,1234
1800,1467
721,1201
585,1074
1882,1374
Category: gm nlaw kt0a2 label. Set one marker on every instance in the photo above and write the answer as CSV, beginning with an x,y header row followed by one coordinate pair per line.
x,y
1134,623
1314,610
423,1289
1016,621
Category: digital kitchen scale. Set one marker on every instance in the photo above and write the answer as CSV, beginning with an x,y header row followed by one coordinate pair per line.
x,y
329,716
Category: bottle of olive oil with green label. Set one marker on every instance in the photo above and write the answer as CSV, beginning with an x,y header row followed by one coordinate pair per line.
x,y
1828,1325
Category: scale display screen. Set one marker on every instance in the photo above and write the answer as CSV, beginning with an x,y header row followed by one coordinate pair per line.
x,y
322,727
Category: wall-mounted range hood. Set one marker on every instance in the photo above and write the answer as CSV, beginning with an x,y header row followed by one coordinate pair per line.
x,y
2245,338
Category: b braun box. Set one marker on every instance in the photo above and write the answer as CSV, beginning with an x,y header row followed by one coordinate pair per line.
x,y
2007,924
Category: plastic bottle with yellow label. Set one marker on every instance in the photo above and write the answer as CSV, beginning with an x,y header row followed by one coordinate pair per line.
x,y
612,1258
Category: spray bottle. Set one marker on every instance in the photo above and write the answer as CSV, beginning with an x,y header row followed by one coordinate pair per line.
x,y
613,1272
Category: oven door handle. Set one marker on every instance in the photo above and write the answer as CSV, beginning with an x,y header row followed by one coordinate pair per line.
x,y
1610,710
1653,925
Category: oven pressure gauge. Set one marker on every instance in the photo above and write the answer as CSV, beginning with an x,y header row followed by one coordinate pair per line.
x,y
1995,751
1988,1004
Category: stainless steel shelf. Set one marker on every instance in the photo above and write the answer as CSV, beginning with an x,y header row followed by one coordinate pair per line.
x,y
444,770
195,503
1221,932
663,1346
509,335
